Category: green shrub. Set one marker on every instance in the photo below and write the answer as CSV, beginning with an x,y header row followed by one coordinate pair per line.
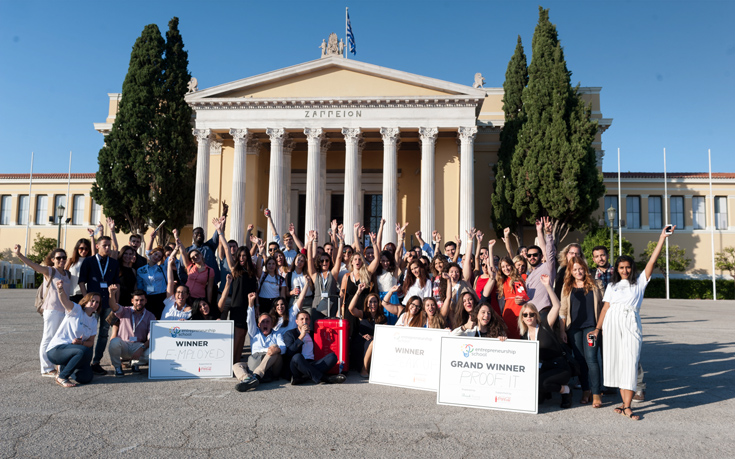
x,y
690,289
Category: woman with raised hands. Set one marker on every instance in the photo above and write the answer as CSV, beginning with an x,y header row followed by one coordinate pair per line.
x,y
52,308
244,282
283,315
82,249
176,303
200,277
483,322
358,273
453,287
369,316
324,278
620,322
581,303
554,371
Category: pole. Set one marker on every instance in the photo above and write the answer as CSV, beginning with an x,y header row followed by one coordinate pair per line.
x,y
666,213
712,228
620,211
68,188
58,235
346,43
612,244
28,220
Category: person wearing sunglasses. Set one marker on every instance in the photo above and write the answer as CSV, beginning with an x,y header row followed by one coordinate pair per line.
x,y
554,371
53,308
323,275
82,249
537,292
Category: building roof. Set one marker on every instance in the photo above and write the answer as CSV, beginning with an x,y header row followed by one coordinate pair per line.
x,y
47,176
670,175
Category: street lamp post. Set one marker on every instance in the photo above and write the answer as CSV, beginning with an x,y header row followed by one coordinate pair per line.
x,y
61,210
611,218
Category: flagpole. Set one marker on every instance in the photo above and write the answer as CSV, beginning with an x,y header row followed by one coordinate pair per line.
x,y
712,229
620,211
666,213
346,41
28,220
68,188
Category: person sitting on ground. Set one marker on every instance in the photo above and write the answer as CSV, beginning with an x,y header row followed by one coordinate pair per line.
x,y
175,307
284,317
371,315
71,347
300,348
266,348
413,315
483,322
133,340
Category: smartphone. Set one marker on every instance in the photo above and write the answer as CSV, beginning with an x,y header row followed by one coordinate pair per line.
x,y
669,230
521,291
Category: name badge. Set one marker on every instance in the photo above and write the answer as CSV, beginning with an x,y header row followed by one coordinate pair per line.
x,y
103,284
150,288
325,295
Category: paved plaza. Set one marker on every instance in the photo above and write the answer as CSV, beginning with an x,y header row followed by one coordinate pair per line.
x,y
688,355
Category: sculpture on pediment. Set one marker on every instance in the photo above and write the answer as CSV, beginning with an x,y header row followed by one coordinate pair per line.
x,y
192,85
479,81
323,46
332,44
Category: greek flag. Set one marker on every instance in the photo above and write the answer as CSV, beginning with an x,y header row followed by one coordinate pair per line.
x,y
350,37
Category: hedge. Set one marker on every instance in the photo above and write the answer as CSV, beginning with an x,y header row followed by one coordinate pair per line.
x,y
690,289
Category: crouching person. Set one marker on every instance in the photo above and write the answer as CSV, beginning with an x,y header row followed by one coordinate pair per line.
x,y
266,350
71,347
133,340
300,347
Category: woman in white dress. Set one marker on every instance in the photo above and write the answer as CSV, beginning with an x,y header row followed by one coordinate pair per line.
x,y
620,322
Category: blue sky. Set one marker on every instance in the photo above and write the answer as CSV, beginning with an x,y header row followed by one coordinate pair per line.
x,y
667,68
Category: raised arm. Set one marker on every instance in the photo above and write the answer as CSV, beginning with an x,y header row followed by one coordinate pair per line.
x,y
401,246
220,250
114,252
549,245
271,225
296,240
93,251
334,228
310,243
379,239
447,305
458,241
228,256
395,309
340,251
225,293
467,267
376,259
657,251
490,285
170,283
506,241
113,289
540,236
356,242
555,304
63,296
33,265
353,304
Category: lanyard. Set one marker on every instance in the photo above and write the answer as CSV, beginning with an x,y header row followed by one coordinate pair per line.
x,y
100,266
324,282
132,320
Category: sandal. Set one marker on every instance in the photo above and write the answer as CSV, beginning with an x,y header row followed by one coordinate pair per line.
x,y
64,382
619,410
596,401
585,397
632,416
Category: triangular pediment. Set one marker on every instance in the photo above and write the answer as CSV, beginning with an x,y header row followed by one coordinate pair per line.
x,y
334,77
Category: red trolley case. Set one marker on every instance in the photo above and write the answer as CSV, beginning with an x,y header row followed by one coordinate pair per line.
x,y
332,335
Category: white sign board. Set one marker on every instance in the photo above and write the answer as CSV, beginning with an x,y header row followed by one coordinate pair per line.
x,y
406,357
487,373
191,349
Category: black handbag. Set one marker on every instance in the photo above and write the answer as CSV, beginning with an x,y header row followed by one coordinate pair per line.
x,y
565,351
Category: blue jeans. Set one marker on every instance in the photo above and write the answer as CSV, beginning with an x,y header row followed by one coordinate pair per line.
x,y
587,357
301,367
99,347
73,358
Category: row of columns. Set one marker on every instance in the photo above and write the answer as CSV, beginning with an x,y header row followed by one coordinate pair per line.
x,y
279,185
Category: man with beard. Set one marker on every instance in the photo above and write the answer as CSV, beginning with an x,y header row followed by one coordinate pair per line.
x,y
536,291
133,339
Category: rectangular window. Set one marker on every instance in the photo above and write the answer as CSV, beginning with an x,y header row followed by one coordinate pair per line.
x,y
23,207
5,210
654,212
59,201
41,209
698,212
611,201
96,216
720,212
677,211
633,212
78,217
372,211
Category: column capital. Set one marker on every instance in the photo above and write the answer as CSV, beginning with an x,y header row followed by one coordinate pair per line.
x,y
467,133
240,135
351,134
390,135
276,134
202,134
215,147
313,134
428,134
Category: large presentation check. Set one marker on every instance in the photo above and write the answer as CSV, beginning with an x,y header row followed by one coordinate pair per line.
x,y
406,357
487,373
191,349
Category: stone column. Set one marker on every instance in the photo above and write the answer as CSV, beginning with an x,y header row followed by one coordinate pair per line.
x,y
324,197
361,193
466,181
352,182
288,147
428,143
313,168
390,182
239,169
201,190
275,179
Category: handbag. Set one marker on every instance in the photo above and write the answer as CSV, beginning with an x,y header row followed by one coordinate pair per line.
x,y
566,352
112,319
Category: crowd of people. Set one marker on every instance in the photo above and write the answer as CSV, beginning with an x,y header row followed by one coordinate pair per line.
x,y
275,292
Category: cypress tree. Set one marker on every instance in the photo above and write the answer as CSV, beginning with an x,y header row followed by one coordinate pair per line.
x,y
553,167
516,79
122,184
172,171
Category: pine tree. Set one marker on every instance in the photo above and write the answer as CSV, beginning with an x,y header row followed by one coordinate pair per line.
x,y
122,185
553,167
172,171
516,79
